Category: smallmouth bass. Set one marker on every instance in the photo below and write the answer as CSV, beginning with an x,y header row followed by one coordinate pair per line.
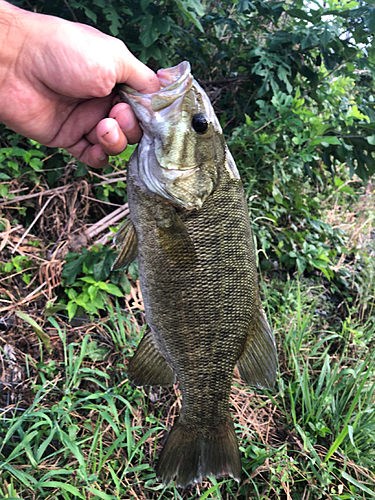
x,y
189,226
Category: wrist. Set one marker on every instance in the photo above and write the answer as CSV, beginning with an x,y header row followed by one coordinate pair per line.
x,y
12,37
17,50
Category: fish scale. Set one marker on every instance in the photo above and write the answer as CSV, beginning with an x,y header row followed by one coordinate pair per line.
x,y
198,278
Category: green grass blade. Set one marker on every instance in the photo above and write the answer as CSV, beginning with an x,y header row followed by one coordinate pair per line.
x,y
62,486
337,443
358,484
101,494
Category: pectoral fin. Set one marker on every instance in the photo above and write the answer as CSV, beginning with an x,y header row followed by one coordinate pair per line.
x,y
148,366
174,238
258,362
126,238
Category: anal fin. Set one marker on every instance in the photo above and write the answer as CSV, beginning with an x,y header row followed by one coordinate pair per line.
x,y
148,366
258,361
126,238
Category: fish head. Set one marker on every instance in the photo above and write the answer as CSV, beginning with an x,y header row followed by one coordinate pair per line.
x,y
182,149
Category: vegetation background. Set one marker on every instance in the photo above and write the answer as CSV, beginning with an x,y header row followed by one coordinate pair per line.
x,y
292,83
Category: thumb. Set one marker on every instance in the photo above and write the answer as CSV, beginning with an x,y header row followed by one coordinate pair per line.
x,y
134,73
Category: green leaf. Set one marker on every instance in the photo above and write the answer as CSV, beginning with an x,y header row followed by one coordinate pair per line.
x,y
125,155
195,5
102,269
276,193
325,37
244,5
133,270
215,487
36,164
3,191
90,14
92,291
162,24
308,41
145,4
113,17
110,288
37,329
125,284
370,20
52,309
71,269
148,36
328,139
88,279
23,477
188,7
95,352
71,309
300,14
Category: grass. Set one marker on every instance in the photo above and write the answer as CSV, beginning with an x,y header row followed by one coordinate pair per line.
x,y
72,427
89,434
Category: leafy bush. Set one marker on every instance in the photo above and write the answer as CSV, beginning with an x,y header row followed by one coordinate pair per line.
x,y
292,84
88,279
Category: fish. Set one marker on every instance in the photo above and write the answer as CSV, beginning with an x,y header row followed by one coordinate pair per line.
x,y
189,227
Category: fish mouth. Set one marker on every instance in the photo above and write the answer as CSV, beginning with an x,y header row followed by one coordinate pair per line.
x,y
168,164
174,82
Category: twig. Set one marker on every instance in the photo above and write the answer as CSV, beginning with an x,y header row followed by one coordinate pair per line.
x,y
265,125
50,253
5,410
112,174
16,274
32,224
33,294
6,234
58,190
325,77
101,201
18,190
71,11
108,220
224,80
103,240
109,181
54,191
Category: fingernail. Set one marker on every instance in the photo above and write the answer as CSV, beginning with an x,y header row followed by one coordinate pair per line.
x,y
101,157
130,123
112,136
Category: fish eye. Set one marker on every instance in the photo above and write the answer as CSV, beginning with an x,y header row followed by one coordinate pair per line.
x,y
199,123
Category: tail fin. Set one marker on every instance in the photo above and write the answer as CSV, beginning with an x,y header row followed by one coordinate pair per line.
x,y
193,454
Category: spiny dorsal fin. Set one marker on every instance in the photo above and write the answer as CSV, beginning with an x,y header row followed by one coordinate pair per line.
x,y
148,366
126,238
258,361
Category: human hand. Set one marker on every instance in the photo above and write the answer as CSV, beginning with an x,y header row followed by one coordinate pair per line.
x,y
57,80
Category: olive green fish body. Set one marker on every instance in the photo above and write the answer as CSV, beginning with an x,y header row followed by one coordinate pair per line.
x,y
199,284
199,309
